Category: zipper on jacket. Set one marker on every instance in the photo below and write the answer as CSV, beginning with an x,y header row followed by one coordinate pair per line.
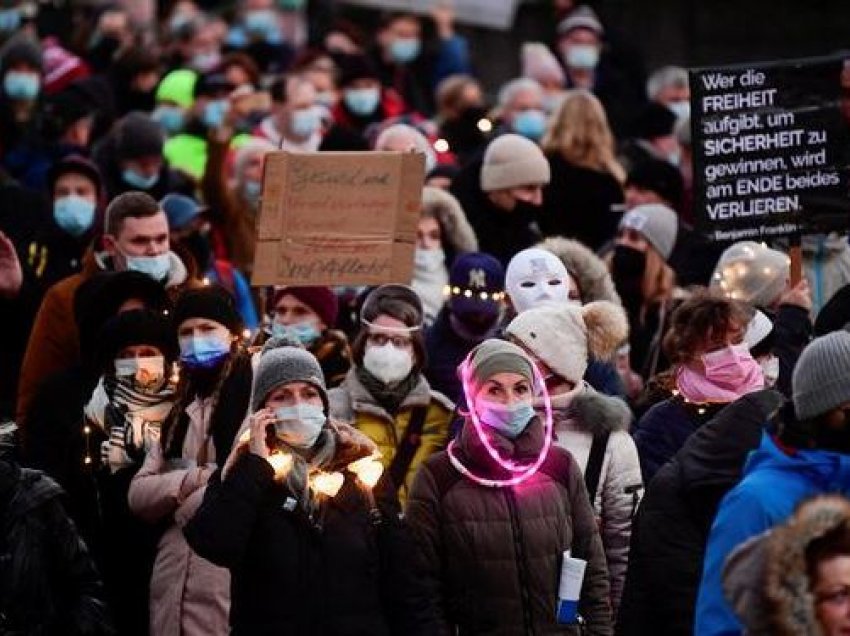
x,y
519,551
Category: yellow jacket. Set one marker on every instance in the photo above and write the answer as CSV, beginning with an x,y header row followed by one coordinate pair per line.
x,y
352,403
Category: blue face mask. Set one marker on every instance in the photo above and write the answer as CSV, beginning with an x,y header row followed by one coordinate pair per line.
x,y
73,214
509,421
139,181
10,19
157,267
304,332
305,122
299,425
171,118
203,352
530,124
362,101
21,85
252,191
404,50
262,23
215,112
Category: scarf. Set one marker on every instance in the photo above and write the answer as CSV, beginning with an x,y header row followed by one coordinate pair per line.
x,y
129,417
390,397
297,479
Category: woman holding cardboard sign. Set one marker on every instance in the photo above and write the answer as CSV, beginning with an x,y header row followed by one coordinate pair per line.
x,y
385,394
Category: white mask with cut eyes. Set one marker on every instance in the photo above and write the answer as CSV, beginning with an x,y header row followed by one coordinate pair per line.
x,y
536,277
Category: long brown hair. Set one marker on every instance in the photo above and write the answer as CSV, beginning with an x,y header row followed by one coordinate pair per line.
x,y
579,131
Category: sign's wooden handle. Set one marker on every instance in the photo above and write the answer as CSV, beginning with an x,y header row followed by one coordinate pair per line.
x,y
796,263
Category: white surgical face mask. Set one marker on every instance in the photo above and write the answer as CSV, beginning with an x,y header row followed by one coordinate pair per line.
x,y
770,369
429,260
536,277
299,425
582,56
387,363
157,267
144,373
682,109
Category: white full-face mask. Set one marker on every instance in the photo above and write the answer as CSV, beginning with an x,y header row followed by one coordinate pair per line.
x,y
536,277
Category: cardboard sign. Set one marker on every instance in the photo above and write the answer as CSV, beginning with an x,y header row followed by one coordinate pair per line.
x,y
493,14
338,218
771,148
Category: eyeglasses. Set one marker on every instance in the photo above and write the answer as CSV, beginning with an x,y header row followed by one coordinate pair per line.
x,y
381,339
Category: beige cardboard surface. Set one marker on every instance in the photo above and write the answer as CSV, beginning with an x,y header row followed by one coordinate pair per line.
x,y
338,218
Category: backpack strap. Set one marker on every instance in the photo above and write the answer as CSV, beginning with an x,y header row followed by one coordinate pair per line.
x,y
408,446
593,472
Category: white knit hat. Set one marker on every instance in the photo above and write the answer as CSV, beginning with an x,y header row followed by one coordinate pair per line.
x,y
751,272
565,336
657,223
511,161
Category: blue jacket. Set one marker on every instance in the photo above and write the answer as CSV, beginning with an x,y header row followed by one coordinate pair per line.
x,y
774,483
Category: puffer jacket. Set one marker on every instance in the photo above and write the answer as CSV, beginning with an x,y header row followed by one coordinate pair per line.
x,y
341,571
48,582
351,403
578,420
495,554
189,595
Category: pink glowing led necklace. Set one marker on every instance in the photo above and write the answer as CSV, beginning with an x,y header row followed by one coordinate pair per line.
x,y
520,472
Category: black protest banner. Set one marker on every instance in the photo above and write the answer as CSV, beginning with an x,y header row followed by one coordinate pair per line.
x,y
771,146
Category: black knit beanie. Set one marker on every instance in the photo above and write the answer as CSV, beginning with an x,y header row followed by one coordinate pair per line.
x,y
136,327
19,49
138,136
213,303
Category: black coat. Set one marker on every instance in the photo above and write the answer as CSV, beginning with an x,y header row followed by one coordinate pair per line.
x,y
671,528
48,583
338,574
501,234
581,203
122,546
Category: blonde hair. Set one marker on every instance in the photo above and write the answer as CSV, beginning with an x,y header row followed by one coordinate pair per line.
x,y
579,131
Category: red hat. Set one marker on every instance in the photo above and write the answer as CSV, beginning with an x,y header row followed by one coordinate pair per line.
x,y
320,299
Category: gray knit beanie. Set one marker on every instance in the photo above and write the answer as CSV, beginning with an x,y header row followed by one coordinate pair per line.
x,y
511,161
280,364
657,223
137,135
821,379
499,356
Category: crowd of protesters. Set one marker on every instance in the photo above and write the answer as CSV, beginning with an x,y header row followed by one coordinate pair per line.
x,y
573,368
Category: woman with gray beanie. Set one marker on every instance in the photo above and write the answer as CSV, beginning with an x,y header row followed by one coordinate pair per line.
x,y
495,512
304,520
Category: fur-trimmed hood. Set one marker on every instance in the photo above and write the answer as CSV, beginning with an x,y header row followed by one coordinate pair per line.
x,y
458,235
766,579
593,412
589,271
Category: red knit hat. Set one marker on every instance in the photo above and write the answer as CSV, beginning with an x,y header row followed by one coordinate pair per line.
x,y
320,299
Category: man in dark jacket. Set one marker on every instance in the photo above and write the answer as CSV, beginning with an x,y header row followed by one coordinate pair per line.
x,y
671,527
48,583
501,195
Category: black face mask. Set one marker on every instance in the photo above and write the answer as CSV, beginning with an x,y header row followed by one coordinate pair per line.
x,y
832,438
629,266
524,210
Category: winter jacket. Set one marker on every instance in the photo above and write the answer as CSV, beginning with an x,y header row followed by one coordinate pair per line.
x,y
352,404
495,554
660,433
501,234
578,422
48,583
671,528
340,571
62,444
581,203
189,595
826,264
54,343
775,481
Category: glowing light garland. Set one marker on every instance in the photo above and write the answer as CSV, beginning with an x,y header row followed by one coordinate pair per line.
x,y
521,472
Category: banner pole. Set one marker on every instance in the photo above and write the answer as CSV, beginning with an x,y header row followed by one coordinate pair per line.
x,y
795,254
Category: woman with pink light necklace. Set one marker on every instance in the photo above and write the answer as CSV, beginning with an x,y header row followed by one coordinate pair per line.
x,y
496,512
